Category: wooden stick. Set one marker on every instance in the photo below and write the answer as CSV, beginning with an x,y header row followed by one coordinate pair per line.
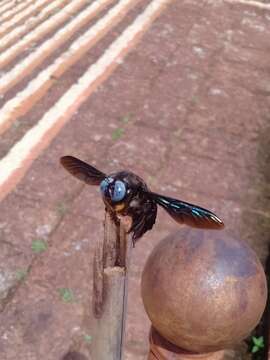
x,y
110,290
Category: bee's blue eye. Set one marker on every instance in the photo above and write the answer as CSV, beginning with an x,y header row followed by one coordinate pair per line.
x,y
104,184
119,191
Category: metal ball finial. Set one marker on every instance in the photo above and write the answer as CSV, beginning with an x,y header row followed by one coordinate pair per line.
x,y
203,290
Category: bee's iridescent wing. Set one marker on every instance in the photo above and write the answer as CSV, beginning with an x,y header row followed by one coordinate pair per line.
x,y
82,170
189,214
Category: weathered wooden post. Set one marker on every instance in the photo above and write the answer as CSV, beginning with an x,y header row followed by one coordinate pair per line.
x,y
204,292
110,285
110,260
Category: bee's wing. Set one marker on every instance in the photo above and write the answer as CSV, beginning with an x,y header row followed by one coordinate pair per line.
x,y
82,170
189,214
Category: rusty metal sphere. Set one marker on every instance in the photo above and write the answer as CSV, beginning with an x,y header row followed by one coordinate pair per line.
x,y
203,290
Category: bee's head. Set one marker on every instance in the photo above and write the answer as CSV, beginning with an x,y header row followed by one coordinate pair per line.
x,y
113,190
118,189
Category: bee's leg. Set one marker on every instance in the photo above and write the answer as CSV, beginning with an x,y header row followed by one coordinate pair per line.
x,y
113,215
143,220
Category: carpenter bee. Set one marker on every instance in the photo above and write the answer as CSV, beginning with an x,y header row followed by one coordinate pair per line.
x,y
125,193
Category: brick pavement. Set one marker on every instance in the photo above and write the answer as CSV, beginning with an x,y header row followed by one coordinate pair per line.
x,y
188,110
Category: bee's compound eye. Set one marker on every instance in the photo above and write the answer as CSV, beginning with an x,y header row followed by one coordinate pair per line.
x,y
119,191
103,186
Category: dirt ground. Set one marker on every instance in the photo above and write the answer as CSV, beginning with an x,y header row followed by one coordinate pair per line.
x,y
188,111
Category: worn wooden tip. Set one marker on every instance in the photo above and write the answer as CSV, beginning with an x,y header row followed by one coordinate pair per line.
x,y
110,286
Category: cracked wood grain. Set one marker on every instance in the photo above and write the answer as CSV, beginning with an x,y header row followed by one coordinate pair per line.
x,y
110,286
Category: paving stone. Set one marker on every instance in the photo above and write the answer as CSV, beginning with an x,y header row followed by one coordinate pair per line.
x,y
188,110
